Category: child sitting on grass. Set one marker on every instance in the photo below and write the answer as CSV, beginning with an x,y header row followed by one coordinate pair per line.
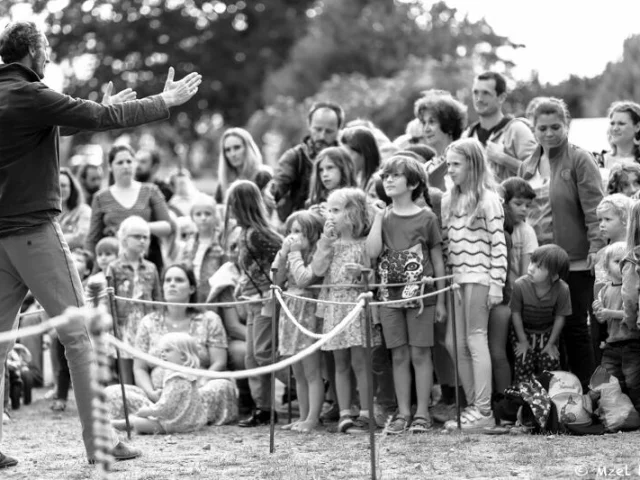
x,y
180,408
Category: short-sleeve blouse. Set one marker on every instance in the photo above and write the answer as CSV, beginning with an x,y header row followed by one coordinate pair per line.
x,y
206,327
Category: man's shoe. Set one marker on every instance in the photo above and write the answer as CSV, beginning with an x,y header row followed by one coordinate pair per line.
x,y
6,462
121,452
258,418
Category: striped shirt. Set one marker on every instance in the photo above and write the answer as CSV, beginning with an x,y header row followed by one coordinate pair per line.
x,y
539,313
477,251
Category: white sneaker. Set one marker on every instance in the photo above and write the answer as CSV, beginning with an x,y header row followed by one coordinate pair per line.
x,y
471,420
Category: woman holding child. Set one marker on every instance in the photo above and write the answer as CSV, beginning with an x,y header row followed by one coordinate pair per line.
x,y
575,190
220,396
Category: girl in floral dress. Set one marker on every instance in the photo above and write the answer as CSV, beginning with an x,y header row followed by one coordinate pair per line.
x,y
340,257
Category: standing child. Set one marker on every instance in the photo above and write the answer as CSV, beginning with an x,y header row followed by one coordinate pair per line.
x,y
613,217
135,278
258,245
621,355
84,264
180,408
406,241
517,197
339,258
202,252
332,169
540,301
293,264
473,221
106,252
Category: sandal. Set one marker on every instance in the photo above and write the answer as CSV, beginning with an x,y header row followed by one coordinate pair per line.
x,y
59,406
397,426
420,424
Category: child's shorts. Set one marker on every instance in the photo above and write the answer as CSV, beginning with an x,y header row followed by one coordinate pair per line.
x,y
404,326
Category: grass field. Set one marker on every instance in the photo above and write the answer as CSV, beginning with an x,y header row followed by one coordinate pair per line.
x,y
48,446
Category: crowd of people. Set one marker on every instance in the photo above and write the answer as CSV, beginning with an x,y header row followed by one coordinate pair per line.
x,y
542,239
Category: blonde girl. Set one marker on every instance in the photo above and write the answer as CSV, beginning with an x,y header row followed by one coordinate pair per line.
x,y
258,246
339,258
473,223
180,408
293,263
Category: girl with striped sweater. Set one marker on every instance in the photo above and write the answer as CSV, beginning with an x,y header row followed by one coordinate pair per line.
x,y
473,224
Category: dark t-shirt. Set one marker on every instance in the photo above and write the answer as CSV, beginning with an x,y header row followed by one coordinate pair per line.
x,y
539,314
407,241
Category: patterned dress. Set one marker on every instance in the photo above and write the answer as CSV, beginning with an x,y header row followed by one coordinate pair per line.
x,y
181,408
299,276
329,260
219,396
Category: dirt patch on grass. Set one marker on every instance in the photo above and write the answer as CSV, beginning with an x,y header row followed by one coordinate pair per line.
x,y
48,446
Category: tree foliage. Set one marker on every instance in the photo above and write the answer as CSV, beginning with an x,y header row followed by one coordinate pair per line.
x,y
375,39
233,44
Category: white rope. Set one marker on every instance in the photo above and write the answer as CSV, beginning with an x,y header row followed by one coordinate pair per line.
x,y
150,359
316,300
192,305
12,335
425,280
40,311
390,302
300,327
405,300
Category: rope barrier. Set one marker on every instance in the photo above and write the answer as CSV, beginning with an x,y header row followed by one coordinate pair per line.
x,y
419,297
264,370
54,322
293,319
378,285
192,305
40,311
390,302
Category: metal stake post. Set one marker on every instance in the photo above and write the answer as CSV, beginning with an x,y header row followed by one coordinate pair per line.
x,y
452,315
369,365
116,333
274,347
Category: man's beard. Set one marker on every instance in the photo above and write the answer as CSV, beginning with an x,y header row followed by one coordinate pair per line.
x,y
92,189
143,176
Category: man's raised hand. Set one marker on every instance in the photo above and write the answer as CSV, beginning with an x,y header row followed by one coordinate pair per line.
x,y
125,95
177,93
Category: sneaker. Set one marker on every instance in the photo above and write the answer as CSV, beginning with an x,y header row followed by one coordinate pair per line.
x,y
59,406
344,424
6,418
442,412
471,420
360,425
6,462
121,452
332,414
397,426
257,419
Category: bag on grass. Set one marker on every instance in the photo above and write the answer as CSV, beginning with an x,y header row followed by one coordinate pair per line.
x,y
615,409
